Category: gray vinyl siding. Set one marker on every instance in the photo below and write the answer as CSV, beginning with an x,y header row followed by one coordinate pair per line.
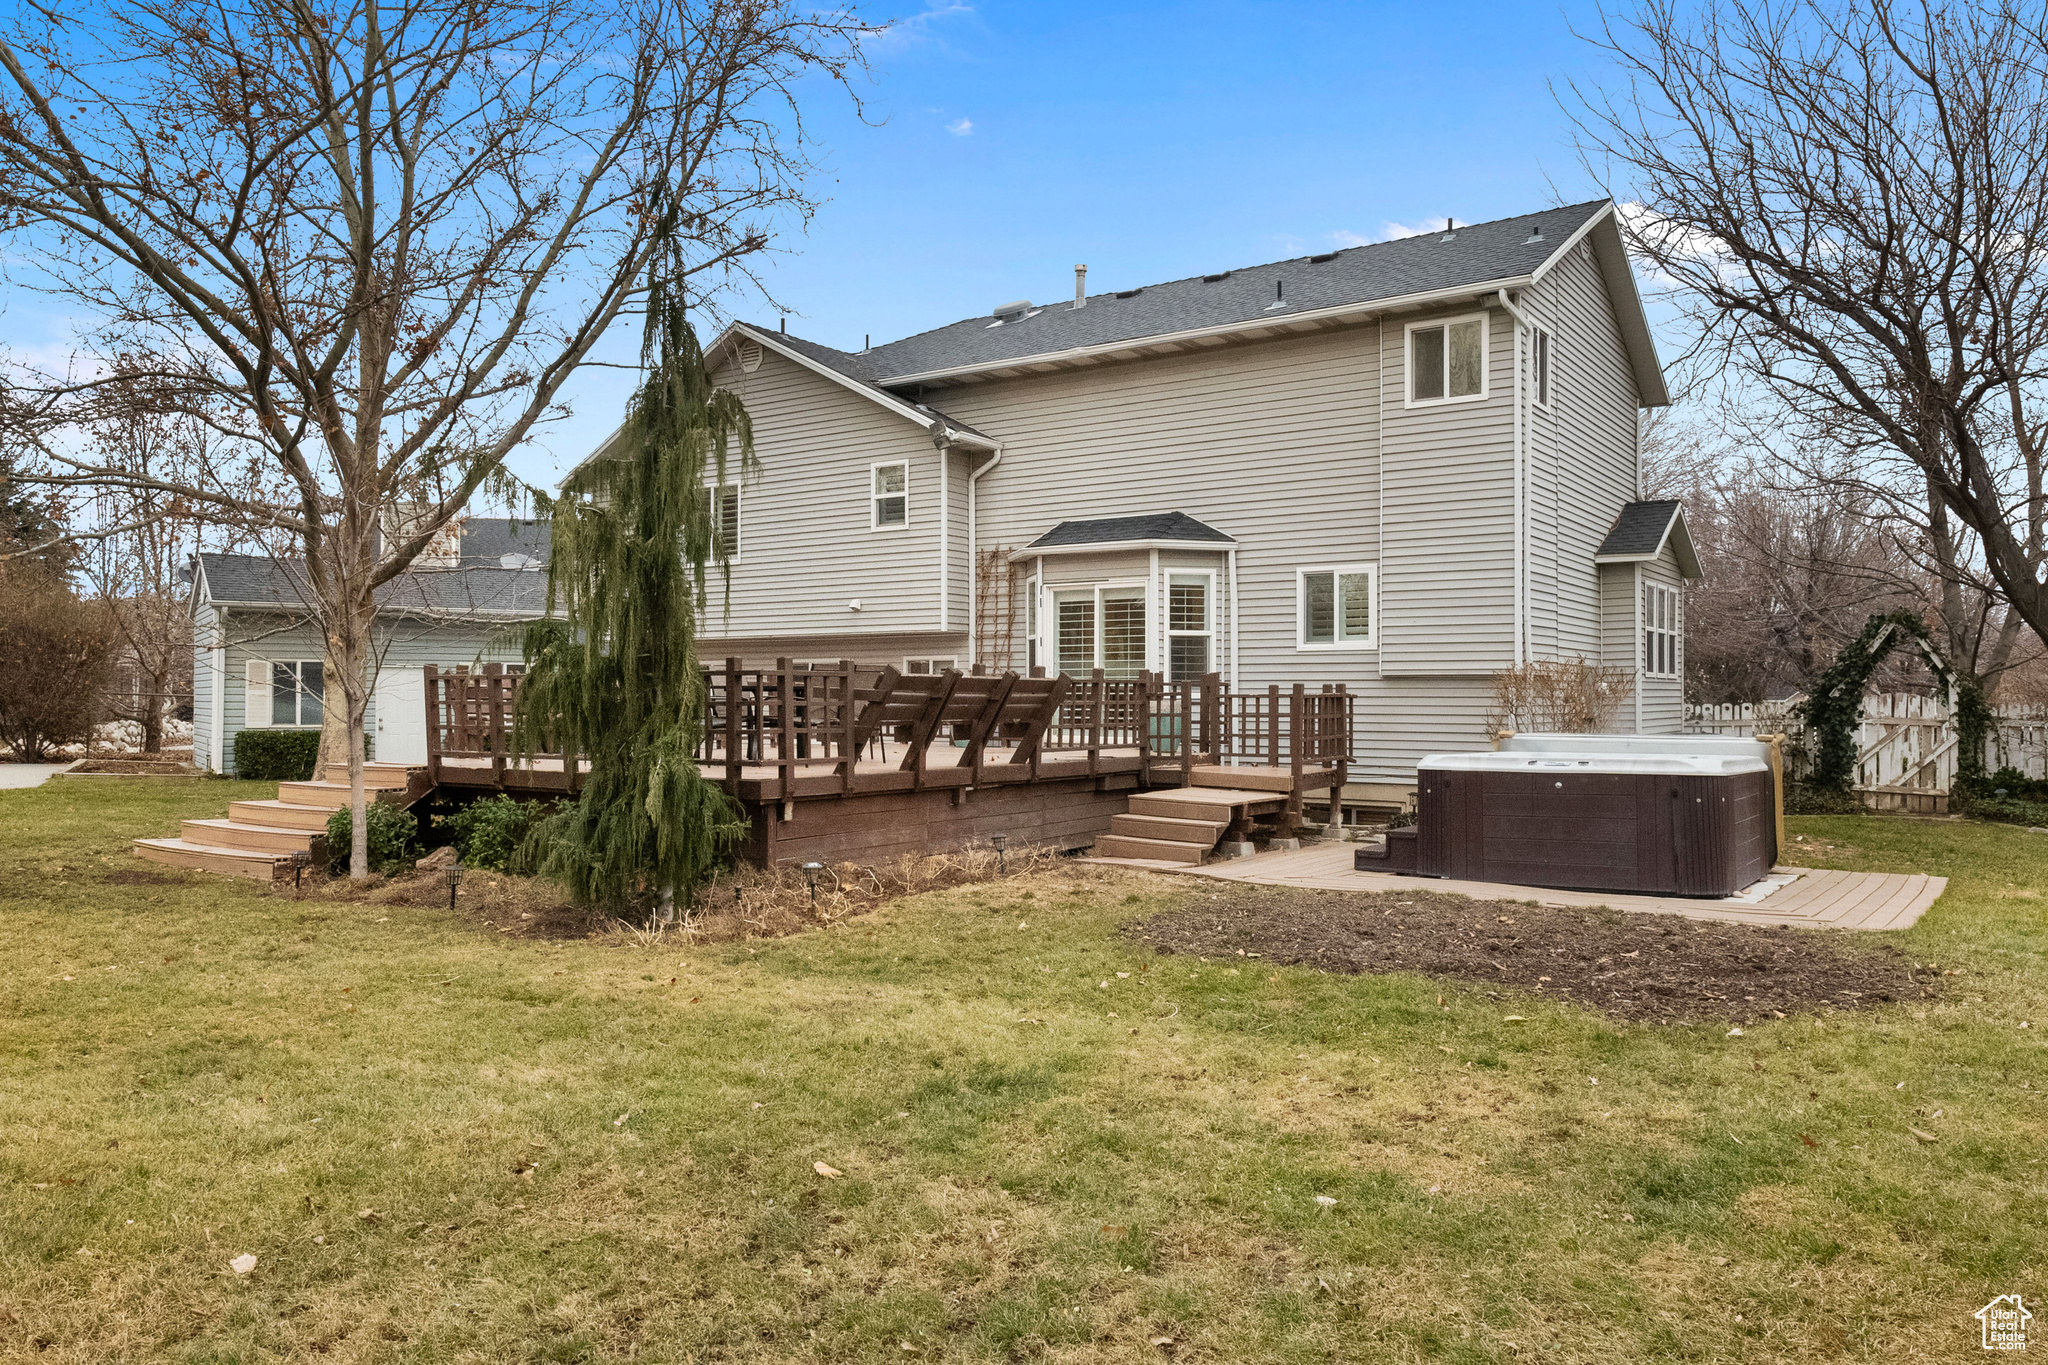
x,y
1620,642
1447,596
1663,708
1582,456
867,650
807,549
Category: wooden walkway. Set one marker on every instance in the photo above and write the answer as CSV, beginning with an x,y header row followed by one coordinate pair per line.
x,y
1803,896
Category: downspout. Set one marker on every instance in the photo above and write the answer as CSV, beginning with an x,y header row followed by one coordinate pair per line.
x,y
1233,617
973,555
1521,532
940,439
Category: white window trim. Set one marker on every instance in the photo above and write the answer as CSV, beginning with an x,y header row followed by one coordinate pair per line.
x,y
1408,398
874,513
1676,630
951,663
268,688
1051,617
1372,639
1542,368
1208,631
739,512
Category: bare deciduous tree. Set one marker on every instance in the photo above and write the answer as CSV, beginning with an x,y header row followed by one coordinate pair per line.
x,y
1849,204
372,242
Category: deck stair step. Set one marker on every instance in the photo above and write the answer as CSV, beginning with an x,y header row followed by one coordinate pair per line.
x,y
280,815
385,776
235,862
253,838
1157,850
1203,832
331,795
1243,779
1204,803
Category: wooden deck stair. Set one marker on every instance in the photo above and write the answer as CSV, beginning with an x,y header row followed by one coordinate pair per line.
x,y
258,838
1182,824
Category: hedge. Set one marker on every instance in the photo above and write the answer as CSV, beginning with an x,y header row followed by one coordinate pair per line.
x,y
276,755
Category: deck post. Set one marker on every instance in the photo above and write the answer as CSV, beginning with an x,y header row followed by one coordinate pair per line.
x,y
1097,712
732,726
1343,728
1141,705
495,673
849,750
1213,703
433,691
1187,733
1272,725
1297,738
785,729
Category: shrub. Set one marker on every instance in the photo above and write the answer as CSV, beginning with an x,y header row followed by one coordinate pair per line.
x,y
1560,696
55,655
1803,798
276,755
488,832
393,836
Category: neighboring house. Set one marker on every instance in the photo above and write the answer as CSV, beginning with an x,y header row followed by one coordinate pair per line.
x,y
1400,467
258,655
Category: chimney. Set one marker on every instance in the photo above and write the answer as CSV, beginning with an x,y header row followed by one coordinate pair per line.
x,y
1080,286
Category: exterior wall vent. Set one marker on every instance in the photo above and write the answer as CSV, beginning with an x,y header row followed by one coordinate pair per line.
x,y
750,355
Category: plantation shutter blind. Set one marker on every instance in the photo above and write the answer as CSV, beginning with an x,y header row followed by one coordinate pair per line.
x,y
256,695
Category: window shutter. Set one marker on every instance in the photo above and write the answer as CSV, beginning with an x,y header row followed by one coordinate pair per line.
x,y
256,695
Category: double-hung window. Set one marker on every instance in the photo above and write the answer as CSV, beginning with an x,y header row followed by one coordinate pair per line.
x,y
1188,628
1338,608
1660,631
723,504
1539,366
1447,360
890,495
284,693
1099,628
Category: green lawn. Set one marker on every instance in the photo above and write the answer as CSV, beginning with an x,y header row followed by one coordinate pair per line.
x,y
443,1144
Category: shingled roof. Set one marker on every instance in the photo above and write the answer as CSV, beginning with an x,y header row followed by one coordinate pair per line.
x,y
481,586
1149,528
1640,532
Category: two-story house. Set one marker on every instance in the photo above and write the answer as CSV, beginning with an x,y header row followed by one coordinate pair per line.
x,y
1402,467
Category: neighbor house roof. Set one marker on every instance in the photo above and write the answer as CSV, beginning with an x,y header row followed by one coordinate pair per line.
x,y
1298,294
1149,530
1642,530
479,587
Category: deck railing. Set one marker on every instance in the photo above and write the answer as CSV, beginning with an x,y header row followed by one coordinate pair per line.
x,y
797,721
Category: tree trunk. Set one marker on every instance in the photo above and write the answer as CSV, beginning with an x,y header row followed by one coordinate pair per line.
x,y
348,648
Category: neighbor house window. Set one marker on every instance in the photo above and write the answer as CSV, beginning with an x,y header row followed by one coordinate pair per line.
x,y
724,507
1539,366
1100,628
891,495
1188,631
284,694
1447,360
1339,607
1660,631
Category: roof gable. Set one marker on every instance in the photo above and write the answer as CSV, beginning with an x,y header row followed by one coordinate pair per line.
x,y
1641,531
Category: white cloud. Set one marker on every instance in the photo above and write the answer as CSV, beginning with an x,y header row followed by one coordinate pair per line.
x,y
960,127
1389,231
1346,237
919,26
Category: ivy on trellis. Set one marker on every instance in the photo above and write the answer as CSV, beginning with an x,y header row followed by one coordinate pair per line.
x,y
1834,705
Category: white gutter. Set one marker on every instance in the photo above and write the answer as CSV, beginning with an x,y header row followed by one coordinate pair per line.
x,y
1521,533
974,554
1360,310
1212,547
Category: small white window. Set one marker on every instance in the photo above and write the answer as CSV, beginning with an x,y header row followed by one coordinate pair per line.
x,y
724,507
284,694
1447,360
1539,366
1338,608
891,489
1660,631
1188,632
925,668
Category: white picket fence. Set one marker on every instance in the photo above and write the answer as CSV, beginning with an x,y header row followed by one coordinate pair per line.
x,y
1905,745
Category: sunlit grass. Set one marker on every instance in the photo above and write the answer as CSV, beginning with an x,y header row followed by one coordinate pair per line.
x,y
442,1144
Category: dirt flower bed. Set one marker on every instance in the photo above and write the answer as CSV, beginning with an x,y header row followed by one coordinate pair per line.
x,y
1653,968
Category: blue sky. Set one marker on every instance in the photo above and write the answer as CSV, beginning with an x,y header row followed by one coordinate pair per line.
x,y
1007,141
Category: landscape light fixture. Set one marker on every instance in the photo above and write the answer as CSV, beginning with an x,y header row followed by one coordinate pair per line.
x,y
301,860
1001,842
811,871
454,880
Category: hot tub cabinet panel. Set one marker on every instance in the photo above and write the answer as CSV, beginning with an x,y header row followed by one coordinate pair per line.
x,y
1690,827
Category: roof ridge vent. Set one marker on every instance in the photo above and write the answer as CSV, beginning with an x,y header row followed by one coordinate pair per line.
x,y
1130,293
1016,308
1212,279
1326,256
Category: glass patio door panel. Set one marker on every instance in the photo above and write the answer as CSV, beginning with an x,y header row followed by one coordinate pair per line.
x,y
1074,627
1123,632
1100,628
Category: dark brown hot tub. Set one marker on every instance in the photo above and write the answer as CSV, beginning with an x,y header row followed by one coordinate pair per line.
x,y
1671,823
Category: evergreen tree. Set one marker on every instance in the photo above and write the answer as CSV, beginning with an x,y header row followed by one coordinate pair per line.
x,y
614,675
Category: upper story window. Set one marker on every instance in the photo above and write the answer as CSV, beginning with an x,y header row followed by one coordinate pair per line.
x,y
1660,631
891,495
1447,360
724,507
1539,366
1338,607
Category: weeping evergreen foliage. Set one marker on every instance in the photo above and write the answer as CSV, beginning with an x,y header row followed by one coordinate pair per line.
x,y
614,674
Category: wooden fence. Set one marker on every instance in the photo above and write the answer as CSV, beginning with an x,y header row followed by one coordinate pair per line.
x,y
1905,743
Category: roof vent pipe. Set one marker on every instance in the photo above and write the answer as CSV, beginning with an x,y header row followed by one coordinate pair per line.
x,y
1080,286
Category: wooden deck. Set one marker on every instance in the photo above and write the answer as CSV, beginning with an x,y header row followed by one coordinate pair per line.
x,y
1806,897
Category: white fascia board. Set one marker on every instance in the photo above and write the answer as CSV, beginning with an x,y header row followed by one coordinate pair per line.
x,y
1107,547
921,416
1362,310
1604,227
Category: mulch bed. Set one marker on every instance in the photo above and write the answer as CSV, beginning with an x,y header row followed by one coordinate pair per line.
x,y
1653,968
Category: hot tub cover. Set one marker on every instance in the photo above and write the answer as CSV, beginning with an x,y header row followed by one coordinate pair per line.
x,y
1677,765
